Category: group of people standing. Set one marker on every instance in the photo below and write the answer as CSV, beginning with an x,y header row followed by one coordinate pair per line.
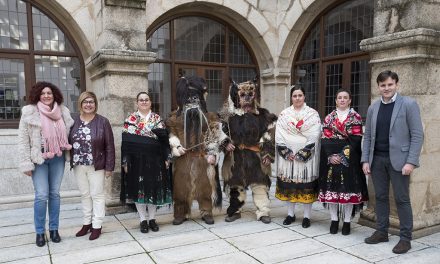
x,y
176,161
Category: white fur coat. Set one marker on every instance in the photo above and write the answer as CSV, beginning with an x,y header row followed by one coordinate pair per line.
x,y
29,136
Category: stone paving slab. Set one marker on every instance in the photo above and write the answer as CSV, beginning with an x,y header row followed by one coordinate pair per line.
x,y
425,256
193,252
89,253
22,252
244,228
329,257
381,251
238,257
36,260
262,239
288,251
138,258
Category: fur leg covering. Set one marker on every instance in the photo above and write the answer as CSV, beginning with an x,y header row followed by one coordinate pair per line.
x,y
261,199
237,196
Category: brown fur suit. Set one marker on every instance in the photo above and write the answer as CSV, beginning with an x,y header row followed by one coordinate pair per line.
x,y
196,131
251,129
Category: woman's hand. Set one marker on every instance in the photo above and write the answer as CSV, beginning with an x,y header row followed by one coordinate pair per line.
x,y
291,157
230,147
107,174
28,173
335,159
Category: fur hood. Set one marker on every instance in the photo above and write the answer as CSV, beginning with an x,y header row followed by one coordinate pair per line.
x,y
29,136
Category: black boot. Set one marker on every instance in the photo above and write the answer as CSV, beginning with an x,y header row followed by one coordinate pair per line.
x,y
54,236
153,225
40,240
144,226
334,227
346,228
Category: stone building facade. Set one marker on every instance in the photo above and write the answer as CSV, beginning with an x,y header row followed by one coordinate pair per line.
x,y
118,48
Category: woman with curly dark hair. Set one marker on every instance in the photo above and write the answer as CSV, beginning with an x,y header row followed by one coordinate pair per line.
x,y
43,138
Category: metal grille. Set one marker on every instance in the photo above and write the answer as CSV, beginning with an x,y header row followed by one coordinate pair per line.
x,y
310,83
333,82
239,75
360,86
346,26
12,88
47,35
214,82
64,72
13,25
311,49
199,39
159,42
159,88
238,53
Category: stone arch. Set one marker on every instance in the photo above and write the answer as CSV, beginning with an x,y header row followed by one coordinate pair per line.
x,y
299,29
240,16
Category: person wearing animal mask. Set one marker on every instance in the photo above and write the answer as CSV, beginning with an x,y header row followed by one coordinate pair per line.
x,y
248,161
196,139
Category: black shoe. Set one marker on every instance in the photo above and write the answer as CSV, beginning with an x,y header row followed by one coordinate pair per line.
x,y
346,228
402,247
377,237
233,217
334,226
153,225
178,221
289,220
40,240
265,219
208,219
54,236
306,222
144,226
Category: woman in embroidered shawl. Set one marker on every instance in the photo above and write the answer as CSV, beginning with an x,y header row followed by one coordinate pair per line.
x,y
342,181
145,159
297,135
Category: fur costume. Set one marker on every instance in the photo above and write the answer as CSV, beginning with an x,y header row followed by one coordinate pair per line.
x,y
251,130
193,128
29,136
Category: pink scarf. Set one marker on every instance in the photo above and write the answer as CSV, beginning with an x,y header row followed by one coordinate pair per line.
x,y
53,130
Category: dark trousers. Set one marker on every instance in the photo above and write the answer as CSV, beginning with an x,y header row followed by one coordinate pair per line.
x,y
382,173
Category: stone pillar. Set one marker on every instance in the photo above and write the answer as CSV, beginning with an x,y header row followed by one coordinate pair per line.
x,y
116,77
407,41
275,89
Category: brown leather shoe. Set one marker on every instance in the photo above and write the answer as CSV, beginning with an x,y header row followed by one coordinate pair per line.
x,y
96,232
377,237
84,230
402,247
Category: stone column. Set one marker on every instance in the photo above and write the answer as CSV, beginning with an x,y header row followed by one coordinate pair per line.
x,y
274,89
116,77
407,41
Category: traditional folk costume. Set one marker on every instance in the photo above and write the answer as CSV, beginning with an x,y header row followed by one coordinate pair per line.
x,y
144,176
298,133
345,183
252,133
193,128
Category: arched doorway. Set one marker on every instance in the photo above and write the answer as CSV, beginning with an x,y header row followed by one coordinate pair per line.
x,y
34,46
197,45
330,58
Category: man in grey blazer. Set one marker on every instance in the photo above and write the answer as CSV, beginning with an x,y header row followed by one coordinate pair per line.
x,y
392,143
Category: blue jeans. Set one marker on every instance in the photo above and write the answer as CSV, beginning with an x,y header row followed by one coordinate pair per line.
x,y
47,179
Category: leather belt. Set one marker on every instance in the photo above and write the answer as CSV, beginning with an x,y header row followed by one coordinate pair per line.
x,y
254,148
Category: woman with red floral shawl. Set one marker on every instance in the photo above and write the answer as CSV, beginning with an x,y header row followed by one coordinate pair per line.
x,y
342,181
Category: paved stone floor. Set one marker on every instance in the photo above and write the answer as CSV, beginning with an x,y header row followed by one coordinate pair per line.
x,y
243,241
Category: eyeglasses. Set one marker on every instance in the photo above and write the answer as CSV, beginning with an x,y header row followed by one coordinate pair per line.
x,y
143,100
90,102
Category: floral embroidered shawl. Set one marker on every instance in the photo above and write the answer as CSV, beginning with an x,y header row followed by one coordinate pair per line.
x,y
136,124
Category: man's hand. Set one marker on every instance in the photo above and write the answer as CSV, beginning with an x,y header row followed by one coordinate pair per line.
x,y
266,161
366,168
28,173
407,169
181,150
107,174
211,159
230,147
167,164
